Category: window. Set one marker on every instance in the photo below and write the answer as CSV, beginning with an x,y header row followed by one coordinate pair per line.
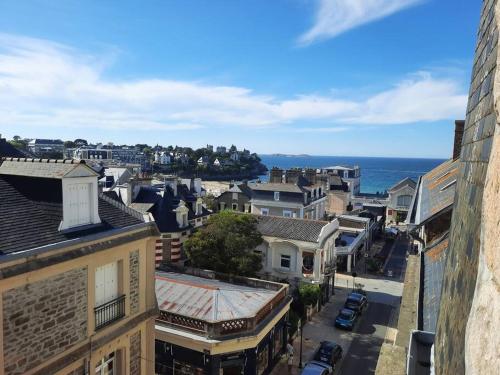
x,y
235,206
287,213
106,366
235,196
285,261
222,206
247,208
106,283
404,200
264,211
276,195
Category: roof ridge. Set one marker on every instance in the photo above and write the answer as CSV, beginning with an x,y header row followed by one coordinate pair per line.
x,y
41,160
128,210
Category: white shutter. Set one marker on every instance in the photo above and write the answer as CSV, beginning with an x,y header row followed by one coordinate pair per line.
x,y
106,283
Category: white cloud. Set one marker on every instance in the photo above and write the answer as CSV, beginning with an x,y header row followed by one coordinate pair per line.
x,y
46,84
333,17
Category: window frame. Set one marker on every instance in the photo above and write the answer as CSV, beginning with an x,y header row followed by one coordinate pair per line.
x,y
286,257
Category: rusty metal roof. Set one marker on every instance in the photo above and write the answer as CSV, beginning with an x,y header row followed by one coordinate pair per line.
x,y
208,299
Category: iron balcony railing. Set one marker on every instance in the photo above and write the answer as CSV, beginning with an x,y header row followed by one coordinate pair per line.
x,y
109,312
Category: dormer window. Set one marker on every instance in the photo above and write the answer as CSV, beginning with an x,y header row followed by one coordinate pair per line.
x,y
276,195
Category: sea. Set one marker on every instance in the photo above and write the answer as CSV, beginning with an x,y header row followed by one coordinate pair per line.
x,y
377,174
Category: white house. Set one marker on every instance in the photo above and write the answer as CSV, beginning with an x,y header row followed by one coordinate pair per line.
x,y
298,250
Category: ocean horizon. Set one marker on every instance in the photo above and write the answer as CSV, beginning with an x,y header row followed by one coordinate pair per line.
x,y
377,173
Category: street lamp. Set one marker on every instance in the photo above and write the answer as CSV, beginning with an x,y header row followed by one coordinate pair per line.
x,y
299,327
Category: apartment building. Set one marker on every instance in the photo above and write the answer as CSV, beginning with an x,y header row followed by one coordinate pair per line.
x,y
301,200
76,274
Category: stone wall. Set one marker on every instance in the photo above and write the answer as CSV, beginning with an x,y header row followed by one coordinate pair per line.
x,y
134,282
461,270
135,354
43,319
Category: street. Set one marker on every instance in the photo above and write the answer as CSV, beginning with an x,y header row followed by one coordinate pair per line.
x,y
361,346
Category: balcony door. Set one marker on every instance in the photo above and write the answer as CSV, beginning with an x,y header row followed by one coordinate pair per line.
x,y
106,283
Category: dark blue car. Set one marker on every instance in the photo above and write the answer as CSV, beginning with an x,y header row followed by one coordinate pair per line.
x,y
346,319
356,302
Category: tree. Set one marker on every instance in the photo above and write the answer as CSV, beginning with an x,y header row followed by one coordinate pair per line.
x,y
69,144
226,244
16,138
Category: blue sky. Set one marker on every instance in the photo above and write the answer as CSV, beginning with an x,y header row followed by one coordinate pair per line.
x,y
323,77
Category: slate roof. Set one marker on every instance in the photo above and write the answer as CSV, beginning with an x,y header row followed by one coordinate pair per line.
x,y
43,168
7,150
31,211
288,228
434,262
41,141
437,191
208,299
288,188
404,182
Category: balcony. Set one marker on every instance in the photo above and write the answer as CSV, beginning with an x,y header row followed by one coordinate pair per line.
x,y
109,312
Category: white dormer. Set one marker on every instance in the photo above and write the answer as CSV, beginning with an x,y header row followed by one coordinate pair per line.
x,y
181,215
79,198
199,206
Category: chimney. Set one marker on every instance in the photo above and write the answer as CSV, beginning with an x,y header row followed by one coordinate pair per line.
x,y
292,175
276,175
310,175
459,133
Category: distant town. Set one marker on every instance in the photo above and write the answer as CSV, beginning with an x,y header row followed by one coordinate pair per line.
x,y
219,163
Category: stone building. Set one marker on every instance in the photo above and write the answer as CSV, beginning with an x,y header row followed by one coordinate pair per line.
x,y
237,198
468,319
215,324
467,339
76,274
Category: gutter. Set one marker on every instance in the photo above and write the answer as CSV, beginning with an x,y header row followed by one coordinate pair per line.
x,y
77,241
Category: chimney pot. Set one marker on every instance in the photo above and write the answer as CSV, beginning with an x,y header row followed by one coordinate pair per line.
x,y
459,133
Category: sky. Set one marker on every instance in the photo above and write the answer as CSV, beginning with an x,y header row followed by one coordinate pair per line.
x,y
321,77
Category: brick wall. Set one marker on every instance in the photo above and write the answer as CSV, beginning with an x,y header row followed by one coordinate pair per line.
x,y
135,353
134,282
462,260
43,319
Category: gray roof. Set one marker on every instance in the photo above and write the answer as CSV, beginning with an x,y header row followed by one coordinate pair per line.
x,y
208,299
289,188
31,212
437,190
434,262
404,182
43,168
292,229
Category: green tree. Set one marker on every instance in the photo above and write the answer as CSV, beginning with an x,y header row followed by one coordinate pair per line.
x,y
226,244
69,144
309,293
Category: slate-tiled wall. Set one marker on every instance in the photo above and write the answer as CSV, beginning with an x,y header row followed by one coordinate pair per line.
x,y
462,260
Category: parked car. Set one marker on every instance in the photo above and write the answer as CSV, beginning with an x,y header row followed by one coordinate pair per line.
x,y
346,319
329,352
317,368
356,302
360,291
